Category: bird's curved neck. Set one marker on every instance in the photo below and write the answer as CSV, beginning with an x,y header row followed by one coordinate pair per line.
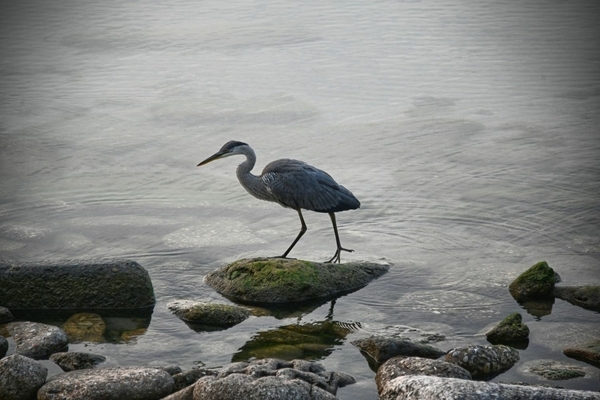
x,y
244,168
252,183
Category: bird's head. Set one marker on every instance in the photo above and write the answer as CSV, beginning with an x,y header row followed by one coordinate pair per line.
x,y
230,148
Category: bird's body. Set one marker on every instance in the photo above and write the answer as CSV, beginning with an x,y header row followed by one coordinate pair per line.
x,y
292,184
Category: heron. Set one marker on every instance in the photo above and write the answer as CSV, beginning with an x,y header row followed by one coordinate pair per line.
x,y
292,184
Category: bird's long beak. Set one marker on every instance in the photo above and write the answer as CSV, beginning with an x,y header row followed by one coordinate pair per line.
x,y
214,157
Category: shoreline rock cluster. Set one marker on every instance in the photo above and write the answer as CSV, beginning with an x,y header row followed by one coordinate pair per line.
x,y
405,369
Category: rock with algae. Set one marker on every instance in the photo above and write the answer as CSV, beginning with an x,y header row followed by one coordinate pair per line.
x,y
583,296
208,313
510,329
537,282
483,360
282,280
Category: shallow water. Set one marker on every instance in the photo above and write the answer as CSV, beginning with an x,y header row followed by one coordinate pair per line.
x,y
469,132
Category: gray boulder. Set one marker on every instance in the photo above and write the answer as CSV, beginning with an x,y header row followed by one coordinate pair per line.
x,y
271,379
382,348
279,280
5,315
3,346
434,388
108,384
74,361
400,366
239,386
208,313
484,360
20,377
535,283
583,296
75,284
36,340
510,329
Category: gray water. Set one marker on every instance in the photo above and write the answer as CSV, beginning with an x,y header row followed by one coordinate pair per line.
x,y
469,132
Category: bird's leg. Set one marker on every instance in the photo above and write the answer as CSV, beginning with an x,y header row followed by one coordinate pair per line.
x,y
302,230
336,256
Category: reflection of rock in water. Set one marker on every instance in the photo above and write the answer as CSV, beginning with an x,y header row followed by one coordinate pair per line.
x,y
308,341
85,327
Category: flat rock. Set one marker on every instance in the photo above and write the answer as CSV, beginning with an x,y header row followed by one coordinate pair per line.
x,y
536,282
279,280
556,371
75,284
20,377
412,387
36,340
208,313
583,296
382,348
589,351
75,360
399,366
510,329
108,384
483,360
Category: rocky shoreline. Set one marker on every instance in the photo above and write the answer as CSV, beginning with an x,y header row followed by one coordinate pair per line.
x,y
405,368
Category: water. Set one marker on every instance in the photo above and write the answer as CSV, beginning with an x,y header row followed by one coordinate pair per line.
x,y
469,132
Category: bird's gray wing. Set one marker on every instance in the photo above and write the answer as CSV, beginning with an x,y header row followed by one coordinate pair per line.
x,y
296,184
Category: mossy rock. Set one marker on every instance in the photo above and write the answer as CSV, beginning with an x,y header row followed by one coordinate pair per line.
x,y
75,285
537,282
510,329
282,280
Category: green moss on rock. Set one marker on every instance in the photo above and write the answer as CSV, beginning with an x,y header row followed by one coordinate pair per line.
x,y
280,280
510,329
537,282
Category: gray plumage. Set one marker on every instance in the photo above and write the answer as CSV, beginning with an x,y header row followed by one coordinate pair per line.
x,y
293,184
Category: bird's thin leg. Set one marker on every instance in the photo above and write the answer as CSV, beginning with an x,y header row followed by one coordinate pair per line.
x,y
336,256
302,230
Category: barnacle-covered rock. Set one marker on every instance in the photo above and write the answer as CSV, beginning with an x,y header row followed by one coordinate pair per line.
x,y
483,360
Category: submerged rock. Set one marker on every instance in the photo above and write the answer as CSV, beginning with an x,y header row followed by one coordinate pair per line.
x,y
208,313
589,352
108,384
483,360
583,296
20,377
510,329
36,340
399,366
555,370
75,361
382,348
537,282
75,284
272,379
85,327
434,388
282,280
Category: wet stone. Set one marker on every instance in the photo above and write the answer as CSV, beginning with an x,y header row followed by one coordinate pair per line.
x,y
382,348
5,315
3,346
37,340
208,313
75,361
583,296
20,377
536,282
589,352
483,360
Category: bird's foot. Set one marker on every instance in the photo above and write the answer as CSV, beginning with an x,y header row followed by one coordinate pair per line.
x,y
336,256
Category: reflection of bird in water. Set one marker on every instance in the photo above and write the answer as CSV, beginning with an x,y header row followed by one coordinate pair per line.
x,y
293,184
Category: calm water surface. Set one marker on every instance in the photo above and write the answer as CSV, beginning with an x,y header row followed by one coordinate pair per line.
x,y
468,131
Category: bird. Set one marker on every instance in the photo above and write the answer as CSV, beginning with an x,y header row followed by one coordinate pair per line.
x,y
292,184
